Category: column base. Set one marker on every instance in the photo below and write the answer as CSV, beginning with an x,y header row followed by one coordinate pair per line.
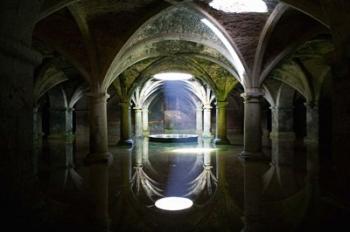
x,y
98,158
199,132
221,141
126,143
69,137
311,141
207,135
284,136
246,155
145,133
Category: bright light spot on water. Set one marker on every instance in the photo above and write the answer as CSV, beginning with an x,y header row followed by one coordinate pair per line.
x,y
172,76
239,6
193,150
173,203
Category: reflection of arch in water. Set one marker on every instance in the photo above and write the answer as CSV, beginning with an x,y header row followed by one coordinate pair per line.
x,y
140,181
205,181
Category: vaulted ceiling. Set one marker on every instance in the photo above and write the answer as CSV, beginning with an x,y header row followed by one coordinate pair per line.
x,y
100,37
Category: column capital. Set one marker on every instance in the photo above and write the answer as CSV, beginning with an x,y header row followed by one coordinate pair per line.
x,y
221,104
36,109
137,108
252,94
61,109
207,107
98,96
311,105
124,104
277,108
199,108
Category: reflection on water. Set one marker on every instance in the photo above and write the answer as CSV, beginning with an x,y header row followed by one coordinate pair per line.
x,y
228,194
160,171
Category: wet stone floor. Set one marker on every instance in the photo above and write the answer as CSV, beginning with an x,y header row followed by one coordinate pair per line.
x,y
279,192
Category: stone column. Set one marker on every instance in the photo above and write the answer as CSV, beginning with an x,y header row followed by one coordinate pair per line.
x,y
99,159
312,181
253,187
37,138
312,123
312,143
61,123
207,121
37,125
139,152
282,123
98,129
266,142
199,120
125,124
282,135
138,122
61,161
221,123
145,122
252,124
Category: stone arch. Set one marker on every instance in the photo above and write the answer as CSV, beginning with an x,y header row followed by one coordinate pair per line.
x,y
190,28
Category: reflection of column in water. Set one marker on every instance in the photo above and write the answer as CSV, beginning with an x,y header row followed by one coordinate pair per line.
x,y
206,146
138,150
282,165
219,164
99,180
207,160
61,159
283,149
312,182
286,180
252,196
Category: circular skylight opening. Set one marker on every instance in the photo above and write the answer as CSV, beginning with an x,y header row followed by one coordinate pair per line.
x,y
173,203
173,76
239,6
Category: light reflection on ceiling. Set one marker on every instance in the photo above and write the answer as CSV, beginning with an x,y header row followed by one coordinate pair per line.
x,y
240,6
